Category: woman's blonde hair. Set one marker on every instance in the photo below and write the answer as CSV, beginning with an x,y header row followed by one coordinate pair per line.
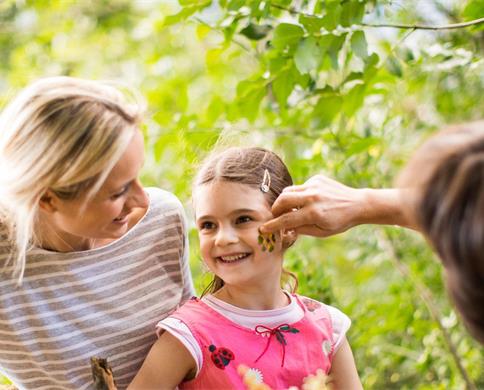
x,y
63,134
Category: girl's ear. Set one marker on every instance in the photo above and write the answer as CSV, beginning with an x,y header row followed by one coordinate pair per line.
x,y
48,202
288,238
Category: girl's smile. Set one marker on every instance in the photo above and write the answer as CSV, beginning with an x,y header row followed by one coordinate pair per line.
x,y
233,259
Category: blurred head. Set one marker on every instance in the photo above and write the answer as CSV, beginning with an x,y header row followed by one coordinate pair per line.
x,y
230,206
60,139
447,173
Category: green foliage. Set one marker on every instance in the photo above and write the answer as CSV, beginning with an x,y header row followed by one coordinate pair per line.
x,y
328,93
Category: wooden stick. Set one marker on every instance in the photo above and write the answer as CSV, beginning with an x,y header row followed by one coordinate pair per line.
x,y
102,374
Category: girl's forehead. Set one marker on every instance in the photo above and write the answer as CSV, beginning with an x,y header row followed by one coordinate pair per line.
x,y
223,196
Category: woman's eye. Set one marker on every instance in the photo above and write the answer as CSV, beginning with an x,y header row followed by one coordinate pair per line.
x,y
243,219
121,193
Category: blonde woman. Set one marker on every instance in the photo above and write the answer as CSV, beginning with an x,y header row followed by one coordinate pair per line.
x,y
89,257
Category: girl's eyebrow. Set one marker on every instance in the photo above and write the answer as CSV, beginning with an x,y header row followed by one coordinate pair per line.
x,y
244,211
238,211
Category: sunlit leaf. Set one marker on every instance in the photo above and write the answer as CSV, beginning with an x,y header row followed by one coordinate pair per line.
x,y
287,35
359,45
308,55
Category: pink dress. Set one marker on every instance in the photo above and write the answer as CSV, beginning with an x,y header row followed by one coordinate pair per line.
x,y
281,357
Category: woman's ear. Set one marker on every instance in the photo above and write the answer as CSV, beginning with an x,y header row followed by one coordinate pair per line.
x,y
288,238
48,202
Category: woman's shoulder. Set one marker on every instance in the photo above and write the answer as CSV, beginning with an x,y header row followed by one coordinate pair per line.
x,y
162,200
5,243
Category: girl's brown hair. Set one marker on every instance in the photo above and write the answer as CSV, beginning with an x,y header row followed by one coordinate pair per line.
x,y
449,208
246,166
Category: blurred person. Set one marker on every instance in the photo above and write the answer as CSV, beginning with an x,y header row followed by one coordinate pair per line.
x,y
439,193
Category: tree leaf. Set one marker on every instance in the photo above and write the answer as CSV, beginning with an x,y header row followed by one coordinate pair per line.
x,y
307,56
255,31
352,12
282,87
249,95
182,15
354,99
334,48
332,18
287,35
311,24
359,45
393,66
326,109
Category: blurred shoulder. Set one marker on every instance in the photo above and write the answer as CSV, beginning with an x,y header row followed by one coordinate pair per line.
x,y
162,200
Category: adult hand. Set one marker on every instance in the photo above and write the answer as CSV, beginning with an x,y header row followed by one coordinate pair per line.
x,y
320,207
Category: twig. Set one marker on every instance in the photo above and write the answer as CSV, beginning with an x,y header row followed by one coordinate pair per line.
x,y
102,374
427,297
389,25
425,27
221,32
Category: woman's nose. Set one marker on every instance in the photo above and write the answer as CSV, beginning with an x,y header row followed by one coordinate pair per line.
x,y
137,196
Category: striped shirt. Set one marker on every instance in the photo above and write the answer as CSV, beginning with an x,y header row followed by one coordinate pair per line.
x,y
103,302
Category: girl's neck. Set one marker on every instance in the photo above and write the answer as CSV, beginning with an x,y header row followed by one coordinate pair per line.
x,y
253,298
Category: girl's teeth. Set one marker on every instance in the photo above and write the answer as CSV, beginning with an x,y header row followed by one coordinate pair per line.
x,y
232,258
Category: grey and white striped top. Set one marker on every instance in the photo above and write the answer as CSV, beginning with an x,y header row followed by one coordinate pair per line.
x,y
103,302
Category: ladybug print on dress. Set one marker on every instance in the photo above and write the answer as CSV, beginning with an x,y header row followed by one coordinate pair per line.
x,y
221,357
311,304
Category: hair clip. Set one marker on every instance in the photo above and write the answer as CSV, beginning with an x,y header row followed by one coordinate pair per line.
x,y
266,182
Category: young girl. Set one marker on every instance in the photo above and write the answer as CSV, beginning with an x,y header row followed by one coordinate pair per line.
x,y
246,318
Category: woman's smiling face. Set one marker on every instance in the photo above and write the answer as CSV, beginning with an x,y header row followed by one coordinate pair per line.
x,y
228,216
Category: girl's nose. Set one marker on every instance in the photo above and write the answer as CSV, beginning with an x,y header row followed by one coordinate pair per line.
x,y
226,236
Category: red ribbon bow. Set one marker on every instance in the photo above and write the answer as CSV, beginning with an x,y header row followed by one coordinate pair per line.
x,y
277,331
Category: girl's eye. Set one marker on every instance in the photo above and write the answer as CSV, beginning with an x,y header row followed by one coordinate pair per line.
x,y
243,219
206,225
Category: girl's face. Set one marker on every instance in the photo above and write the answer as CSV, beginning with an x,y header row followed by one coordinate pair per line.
x,y
228,217
106,215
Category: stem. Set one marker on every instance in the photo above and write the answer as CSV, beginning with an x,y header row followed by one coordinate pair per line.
x,y
403,26
427,297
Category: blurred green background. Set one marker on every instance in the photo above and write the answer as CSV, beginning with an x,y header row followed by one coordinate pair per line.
x,y
330,94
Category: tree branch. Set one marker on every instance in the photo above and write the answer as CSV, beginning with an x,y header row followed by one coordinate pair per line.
x,y
427,297
425,27
388,25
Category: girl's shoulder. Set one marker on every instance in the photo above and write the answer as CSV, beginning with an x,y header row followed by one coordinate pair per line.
x,y
312,305
340,322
